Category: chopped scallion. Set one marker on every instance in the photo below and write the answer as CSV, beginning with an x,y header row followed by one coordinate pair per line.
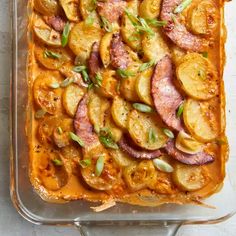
x,y
142,107
65,34
85,163
99,166
124,73
182,6
168,133
76,138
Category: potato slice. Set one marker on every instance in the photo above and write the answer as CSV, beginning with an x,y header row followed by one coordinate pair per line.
x,y
81,39
150,9
121,158
197,76
86,8
96,110
52,58
186,143
109,84
61,133
46,97
177,54
140,125
47,7
120,110
141,175
154,48
190,178
202,119
71,97
110,173
53,176
143,86
199,15
46,34
130,35
105,49
71,9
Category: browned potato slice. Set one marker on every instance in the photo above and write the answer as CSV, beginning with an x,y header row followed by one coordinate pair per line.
x,y
177,54
132,6
154,48
46,97
130,35
109,84
46,34
71,97
47,7
82,38
71,9
143,86
105,49
203,17
121,158
202,119
86,8
120,110
190,178
197,76
141,175
110,172
150,9
96,110
61,133
51,58
140,125
53,171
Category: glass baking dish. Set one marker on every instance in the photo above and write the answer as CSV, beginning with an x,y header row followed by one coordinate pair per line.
x,y
166,218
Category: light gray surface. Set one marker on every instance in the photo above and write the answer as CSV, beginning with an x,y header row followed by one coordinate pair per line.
x,y
11,224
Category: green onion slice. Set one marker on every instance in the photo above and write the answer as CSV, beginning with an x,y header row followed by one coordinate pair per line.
x,y
106,24
152,137
76,138
39,114
142,107
124,73
182,6
99,166
57,162
98,79
156,23
180,110
54,85
85,163
79,69
162,165
50,54
67,82
59,130
168,133
65,34
147,65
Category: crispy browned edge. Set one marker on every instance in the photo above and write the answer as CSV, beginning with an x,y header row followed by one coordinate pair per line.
x,y
224,149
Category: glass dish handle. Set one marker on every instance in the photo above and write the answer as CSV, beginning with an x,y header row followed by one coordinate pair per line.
x,y
160,229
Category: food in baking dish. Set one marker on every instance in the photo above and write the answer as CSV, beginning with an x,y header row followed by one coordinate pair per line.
x,y
126,100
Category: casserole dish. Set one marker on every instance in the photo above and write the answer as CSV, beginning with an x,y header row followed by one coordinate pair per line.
x,y
37,211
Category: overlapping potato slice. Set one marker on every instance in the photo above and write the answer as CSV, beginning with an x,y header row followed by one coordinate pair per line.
x,y
46,96
46,34
109,175
140,125
197,76
190,178
71,9
143,86
120,110
52,58
47,7
150,9
202,119
122,158
109,83
87,7
71,97
81,39
154,48
186,143
177,54
140,175
203,17
54,170
105,49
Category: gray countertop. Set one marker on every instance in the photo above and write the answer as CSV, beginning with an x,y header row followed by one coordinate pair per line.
x,y
12,224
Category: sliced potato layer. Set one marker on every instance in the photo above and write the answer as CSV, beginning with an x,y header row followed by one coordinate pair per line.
x,y
46,34
105,49
47,7
45,96
150,9
71,9
143,86
190,178
202,119
120,110
71,97
140,125
197,76
82,38
122,158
